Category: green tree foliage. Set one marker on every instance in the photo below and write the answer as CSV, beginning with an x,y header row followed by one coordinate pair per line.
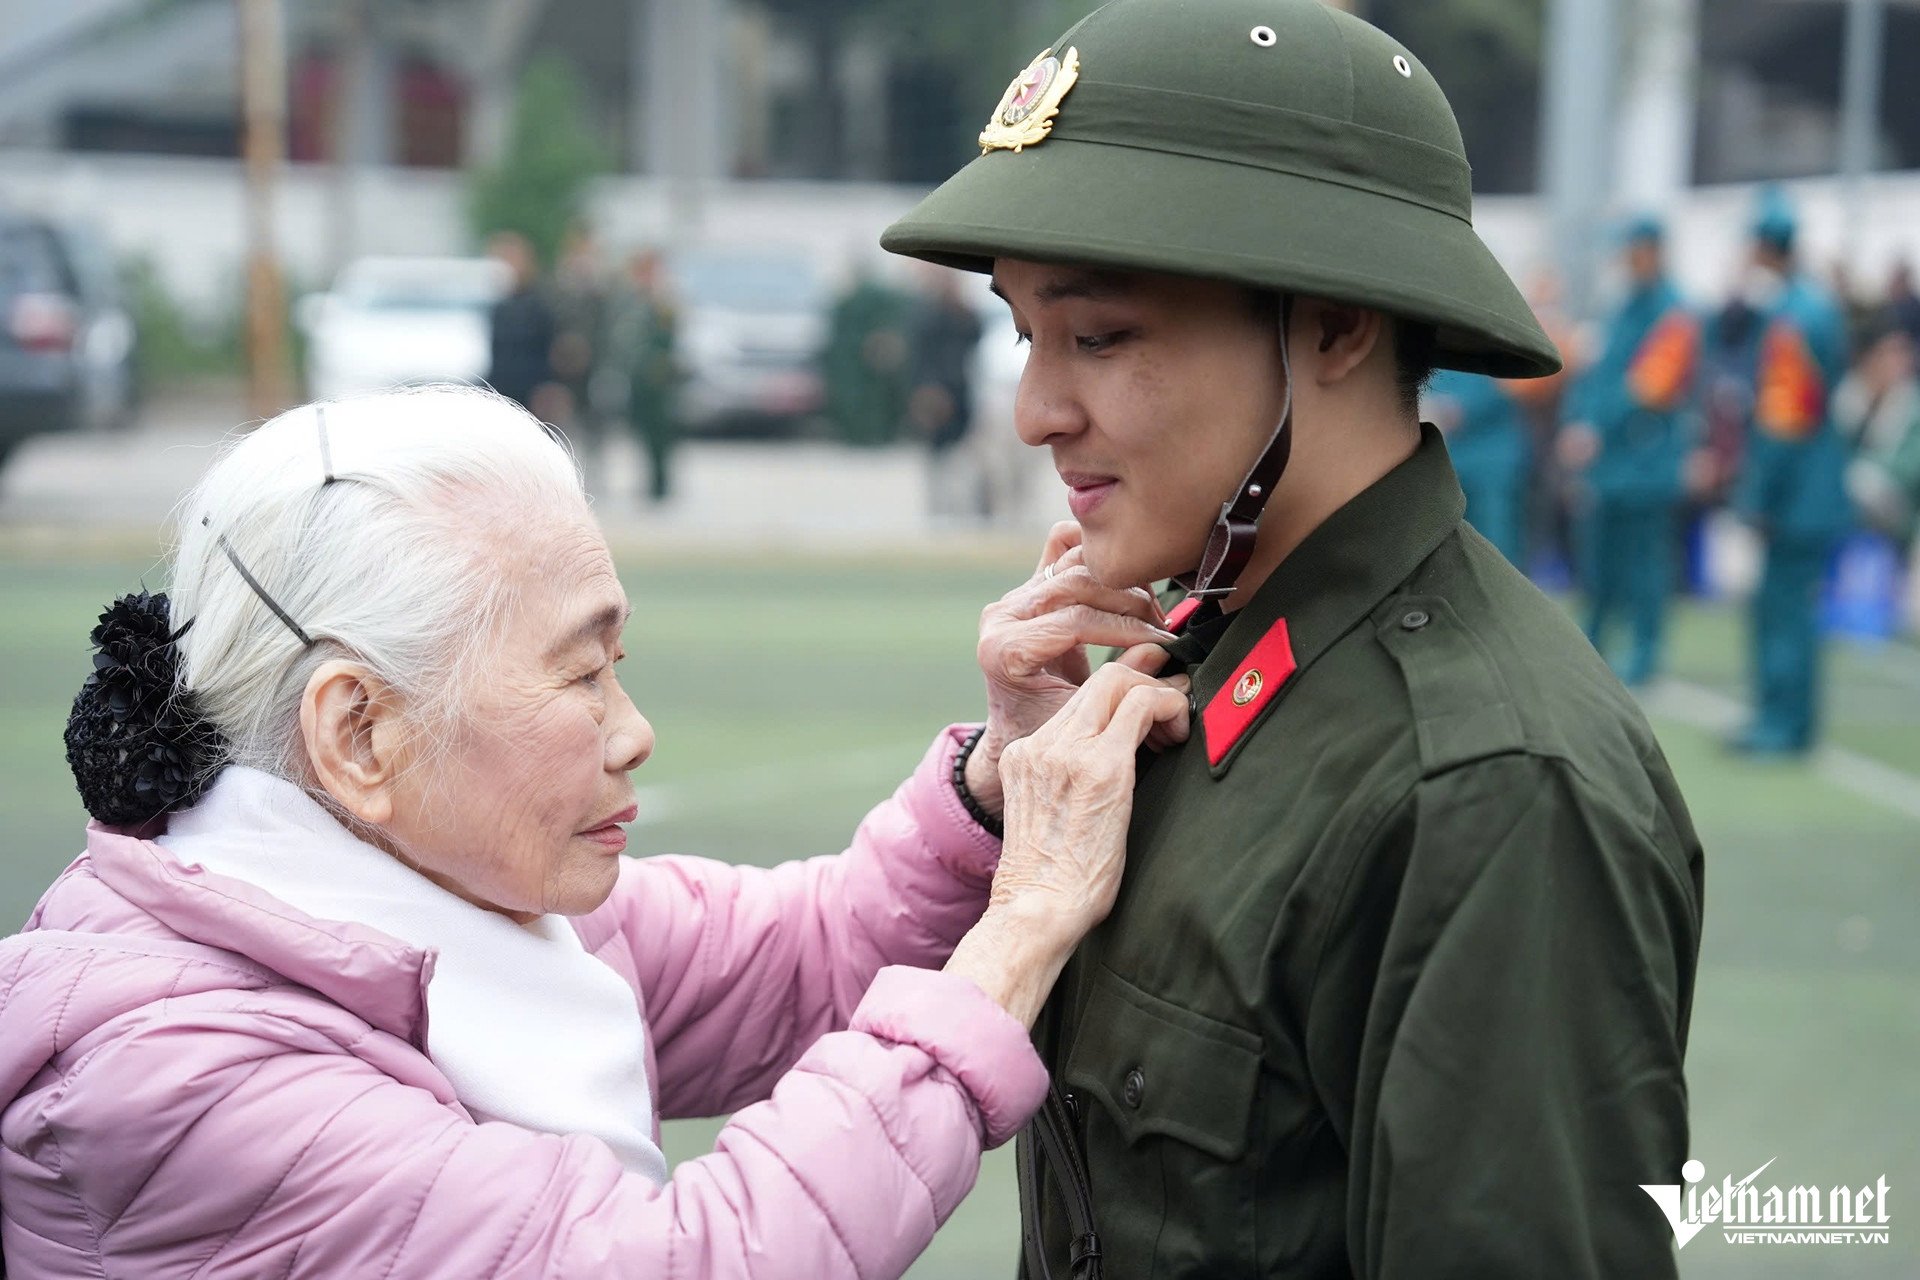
x,y
173,347
552,155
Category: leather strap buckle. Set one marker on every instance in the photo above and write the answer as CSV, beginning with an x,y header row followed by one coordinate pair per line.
x,y
1231,543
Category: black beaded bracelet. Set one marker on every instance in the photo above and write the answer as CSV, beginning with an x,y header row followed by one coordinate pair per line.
x,y
972,806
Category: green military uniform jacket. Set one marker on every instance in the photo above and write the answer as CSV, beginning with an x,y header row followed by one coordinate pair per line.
x,y
1399,976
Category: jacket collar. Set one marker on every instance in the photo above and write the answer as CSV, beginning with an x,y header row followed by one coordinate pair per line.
x,y
1340,571
377,978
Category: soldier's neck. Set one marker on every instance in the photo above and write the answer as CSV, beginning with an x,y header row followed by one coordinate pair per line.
x,y
1333,463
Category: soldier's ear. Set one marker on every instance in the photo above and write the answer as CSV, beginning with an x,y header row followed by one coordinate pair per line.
x,y
1344,336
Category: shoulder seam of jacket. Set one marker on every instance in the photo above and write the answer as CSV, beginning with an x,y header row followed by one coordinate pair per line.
x,y
285,1173
66,1000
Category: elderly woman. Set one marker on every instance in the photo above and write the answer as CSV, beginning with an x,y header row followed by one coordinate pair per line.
x,y
352,980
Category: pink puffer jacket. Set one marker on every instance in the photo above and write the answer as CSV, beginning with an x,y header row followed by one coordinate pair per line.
x,y
199,1081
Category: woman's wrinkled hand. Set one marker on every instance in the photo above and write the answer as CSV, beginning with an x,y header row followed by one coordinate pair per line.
x,y
1033,648
1069,795
1069,800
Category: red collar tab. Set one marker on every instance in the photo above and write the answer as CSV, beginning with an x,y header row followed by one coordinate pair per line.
x,y
1247,692
1181,614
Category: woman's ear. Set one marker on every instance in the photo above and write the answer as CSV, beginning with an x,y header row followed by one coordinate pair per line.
x,y
350,719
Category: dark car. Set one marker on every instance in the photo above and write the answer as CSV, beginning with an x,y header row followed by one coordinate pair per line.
x,y
66,336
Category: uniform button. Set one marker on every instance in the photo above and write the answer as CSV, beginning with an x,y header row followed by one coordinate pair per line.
x,y
1193,703
1136,1088
1414,619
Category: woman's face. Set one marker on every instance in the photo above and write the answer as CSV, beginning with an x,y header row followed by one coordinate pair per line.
x,y
519,812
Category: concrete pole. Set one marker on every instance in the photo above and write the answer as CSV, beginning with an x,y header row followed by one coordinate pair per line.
x,y
349,133
506,26
644,27
682,106
263,87
1576,139
1860,117
1654,155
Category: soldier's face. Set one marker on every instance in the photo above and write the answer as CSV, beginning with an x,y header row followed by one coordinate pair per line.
x,y
1643,261
1155,393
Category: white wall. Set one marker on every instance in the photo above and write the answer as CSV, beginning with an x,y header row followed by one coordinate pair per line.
x,y
188,215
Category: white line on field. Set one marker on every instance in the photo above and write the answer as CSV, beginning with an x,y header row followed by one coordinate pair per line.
x,y
770,783
1864,776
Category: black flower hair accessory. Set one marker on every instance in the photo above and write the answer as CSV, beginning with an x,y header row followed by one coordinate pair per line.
x,y
137,745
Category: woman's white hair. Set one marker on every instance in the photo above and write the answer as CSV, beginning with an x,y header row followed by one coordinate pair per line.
x,y
370,522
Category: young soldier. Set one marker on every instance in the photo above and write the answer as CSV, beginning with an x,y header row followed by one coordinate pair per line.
x,y
1627,439
1398,980
1792,485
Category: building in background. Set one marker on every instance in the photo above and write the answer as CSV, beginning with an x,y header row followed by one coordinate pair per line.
x,y
816,118
868,90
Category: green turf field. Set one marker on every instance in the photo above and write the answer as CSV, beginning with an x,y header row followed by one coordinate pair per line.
x,y
790,696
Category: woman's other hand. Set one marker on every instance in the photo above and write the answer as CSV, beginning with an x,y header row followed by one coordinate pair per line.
x,y
1069,800
1033,648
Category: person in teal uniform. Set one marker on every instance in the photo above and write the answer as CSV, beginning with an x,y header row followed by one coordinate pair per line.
x,y
1628,430
1487,440
1792,486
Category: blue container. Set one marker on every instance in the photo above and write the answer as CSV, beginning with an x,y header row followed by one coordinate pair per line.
x,y
1863,589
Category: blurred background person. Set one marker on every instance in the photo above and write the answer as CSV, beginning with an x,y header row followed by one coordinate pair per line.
x,y
1903,305
1856,307
942,337
1549,539
641,334
1627,436
864,363
1878,410
1792,486
1730,344
521,330
579,316
1487,439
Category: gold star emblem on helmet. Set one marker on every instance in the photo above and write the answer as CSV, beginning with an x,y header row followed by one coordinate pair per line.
x,y
1026,111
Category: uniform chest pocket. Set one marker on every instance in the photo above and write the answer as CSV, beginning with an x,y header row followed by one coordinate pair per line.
x,y
1167,1101
1159,1069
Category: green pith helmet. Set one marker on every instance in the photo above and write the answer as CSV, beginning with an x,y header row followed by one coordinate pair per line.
x,y
1276,143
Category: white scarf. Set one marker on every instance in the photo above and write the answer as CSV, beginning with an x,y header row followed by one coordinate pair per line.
x,y
527,1026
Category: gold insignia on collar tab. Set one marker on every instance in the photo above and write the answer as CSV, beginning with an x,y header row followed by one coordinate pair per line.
x,y
1026,111
1248,689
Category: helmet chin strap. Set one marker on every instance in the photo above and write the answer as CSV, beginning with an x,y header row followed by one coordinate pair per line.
x,y
1231,543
